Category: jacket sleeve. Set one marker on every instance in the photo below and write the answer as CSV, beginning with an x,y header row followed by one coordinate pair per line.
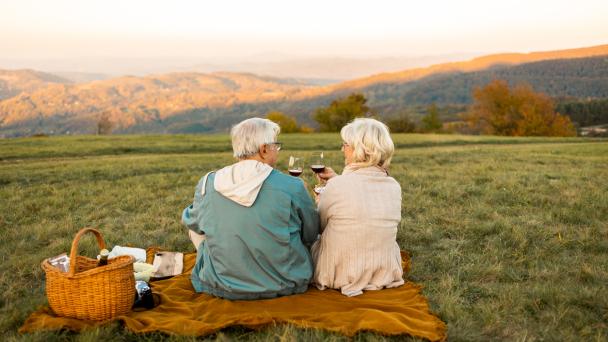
x,y
192,215
308,215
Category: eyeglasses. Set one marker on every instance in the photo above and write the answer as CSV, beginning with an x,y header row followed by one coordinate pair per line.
x,y
277,144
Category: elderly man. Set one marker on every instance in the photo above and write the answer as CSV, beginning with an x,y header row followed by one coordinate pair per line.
x,y
250,223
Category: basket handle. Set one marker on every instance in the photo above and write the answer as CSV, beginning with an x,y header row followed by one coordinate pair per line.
x,y
74,250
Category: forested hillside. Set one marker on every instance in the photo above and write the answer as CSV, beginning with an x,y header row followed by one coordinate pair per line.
x,y
196,103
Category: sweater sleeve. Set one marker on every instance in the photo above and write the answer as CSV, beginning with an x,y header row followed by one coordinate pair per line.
x,y
326,200
308,215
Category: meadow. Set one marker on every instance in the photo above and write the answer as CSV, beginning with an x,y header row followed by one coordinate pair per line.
x,y
508,236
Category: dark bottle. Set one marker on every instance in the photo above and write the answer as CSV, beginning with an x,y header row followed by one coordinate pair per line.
x,y
143,296
103,257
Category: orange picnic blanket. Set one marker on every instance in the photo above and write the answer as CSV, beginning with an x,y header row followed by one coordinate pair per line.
x,y
182,311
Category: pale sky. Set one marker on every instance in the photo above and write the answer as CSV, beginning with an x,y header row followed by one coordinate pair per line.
x,y
150,28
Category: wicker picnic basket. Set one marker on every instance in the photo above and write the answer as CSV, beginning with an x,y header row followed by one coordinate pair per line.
x,y
87,291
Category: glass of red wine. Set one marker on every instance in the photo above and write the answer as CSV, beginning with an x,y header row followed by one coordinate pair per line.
x,y
295,167
317,165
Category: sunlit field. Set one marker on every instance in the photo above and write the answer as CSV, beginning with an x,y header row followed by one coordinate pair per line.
x,y
508,236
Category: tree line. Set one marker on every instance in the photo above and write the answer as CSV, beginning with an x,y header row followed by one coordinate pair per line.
x,y
497,109
589,112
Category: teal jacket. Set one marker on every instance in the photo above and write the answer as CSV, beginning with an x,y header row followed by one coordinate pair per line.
x,y
254,252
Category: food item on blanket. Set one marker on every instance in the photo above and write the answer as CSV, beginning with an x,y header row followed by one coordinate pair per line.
x,y
103,257
61,261
167,264
138,253
143,271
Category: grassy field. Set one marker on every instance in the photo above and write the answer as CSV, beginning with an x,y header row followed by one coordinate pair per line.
x,y
509,236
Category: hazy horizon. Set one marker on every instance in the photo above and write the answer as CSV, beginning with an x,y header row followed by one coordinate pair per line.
x,y
325,68
143,37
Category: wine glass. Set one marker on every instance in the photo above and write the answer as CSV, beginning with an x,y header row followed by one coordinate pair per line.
x,y
317,165
295,167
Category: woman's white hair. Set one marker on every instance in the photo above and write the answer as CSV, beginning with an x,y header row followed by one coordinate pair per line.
x,y
371,142
248,135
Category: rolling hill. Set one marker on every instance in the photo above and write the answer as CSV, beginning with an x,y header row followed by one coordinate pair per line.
x,y
14,82
475,64
578,77
134,100
195,102
562,78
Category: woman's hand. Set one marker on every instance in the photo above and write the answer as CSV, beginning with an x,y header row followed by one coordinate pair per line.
x,y
327,174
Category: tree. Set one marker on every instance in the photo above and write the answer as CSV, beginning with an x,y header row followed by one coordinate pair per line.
x,y
287,123
401,123
431,121
104,124
585,112
520,111
340,112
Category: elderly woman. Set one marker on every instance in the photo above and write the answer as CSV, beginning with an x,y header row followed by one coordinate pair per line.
x,y
360,212
250,223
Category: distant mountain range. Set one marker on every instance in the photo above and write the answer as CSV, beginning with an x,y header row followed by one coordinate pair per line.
x,y
316,69
576,77
194,102
326,70
136,100
15,82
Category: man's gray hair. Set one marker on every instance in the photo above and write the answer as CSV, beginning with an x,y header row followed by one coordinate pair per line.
x,y
248,135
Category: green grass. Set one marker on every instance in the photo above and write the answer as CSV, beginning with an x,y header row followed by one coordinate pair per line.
x,y
509,236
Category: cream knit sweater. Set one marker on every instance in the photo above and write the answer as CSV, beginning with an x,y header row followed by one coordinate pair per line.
x,y
360,211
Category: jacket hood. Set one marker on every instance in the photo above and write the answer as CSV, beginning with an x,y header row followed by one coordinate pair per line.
x,y
241,182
